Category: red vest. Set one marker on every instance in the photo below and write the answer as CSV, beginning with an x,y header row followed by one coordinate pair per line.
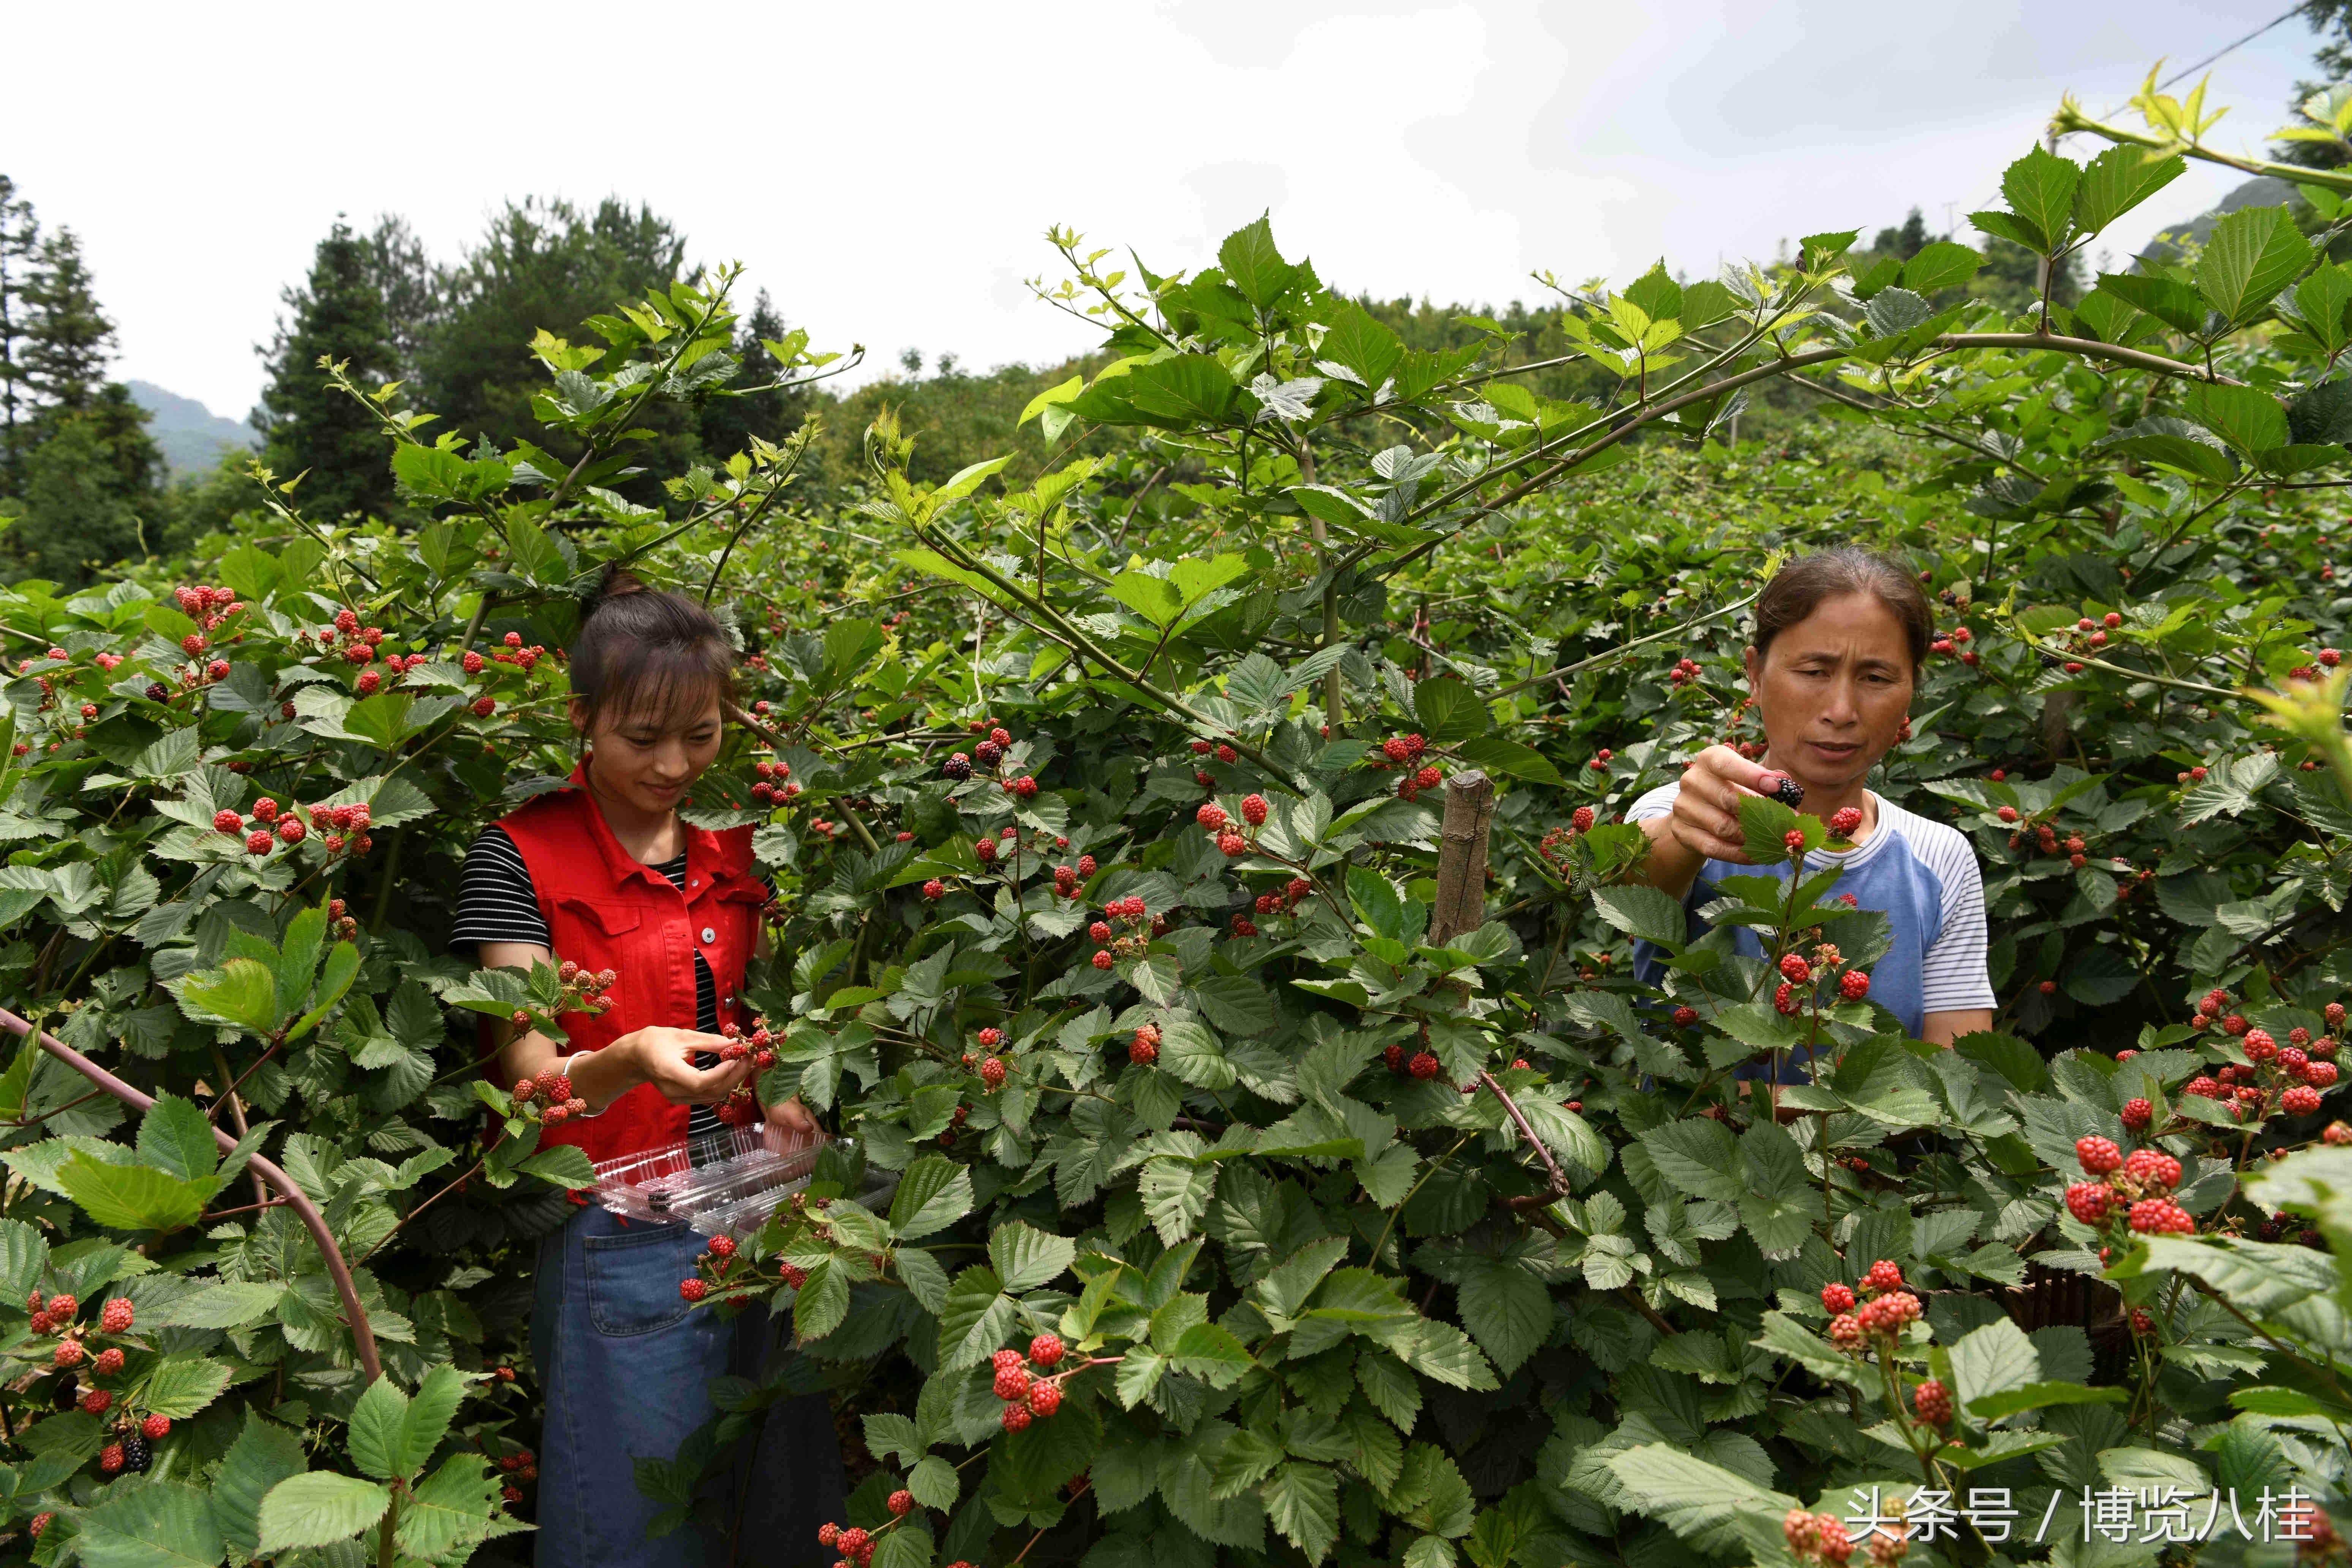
x,y
607,910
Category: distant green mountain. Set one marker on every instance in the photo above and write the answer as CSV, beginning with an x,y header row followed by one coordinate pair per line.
x,y
190,435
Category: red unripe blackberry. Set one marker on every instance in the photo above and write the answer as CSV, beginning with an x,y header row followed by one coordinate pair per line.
x,y
1044,1396
990,1038
2260,1046
1253,810
1141,1051
1245,926
2160,1217
1838,1298
827,1533
2137,1114
156,1428
1395,1057
1686,1016
1794,840
693,1289
2320,1075
935,890
2089,1202
2292,1062
1102,959
1933,1402
1423,1065
115,1317
1016,1417
110,1458
1883,1275
2153,1168
2098,1156
723,1247
485,705
902,1502
1846,1330
1200,748
69,1352
1846,821
257,843
2337,1135
1785,998
985,848
95,1401
109,1362
1047,1349
2324,1047
2006,814
228,822
1085,865
991,1072
1853,985
291,830
1228,754
2300,1101
1396,749
2048,987
851,1542
1794,968
1211,815
1232,844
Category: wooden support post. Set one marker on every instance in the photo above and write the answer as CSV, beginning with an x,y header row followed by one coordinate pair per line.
x,y
1462,856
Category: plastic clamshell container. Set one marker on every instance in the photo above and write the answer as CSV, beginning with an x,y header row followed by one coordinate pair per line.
x,y
733,1169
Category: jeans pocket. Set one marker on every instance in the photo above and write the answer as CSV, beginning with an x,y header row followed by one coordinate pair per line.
x,y
633,1278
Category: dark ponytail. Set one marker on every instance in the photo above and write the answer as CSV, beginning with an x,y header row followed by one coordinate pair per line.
x,y
642,650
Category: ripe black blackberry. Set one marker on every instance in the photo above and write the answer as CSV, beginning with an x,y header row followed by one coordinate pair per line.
x,y
958,767
136,1455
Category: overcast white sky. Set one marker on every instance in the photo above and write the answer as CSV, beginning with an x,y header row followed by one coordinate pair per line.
x,y
887,170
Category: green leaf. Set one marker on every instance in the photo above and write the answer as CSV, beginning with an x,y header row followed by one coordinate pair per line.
x,y
2041,191
132,1197
451,1508
163,1524
1645,912
2118,180
319,1510
934,1194
1508,1310
1995,1359
1448,711
1698,1502
1698,1155
2251,254
1255,266
1051,395
2169,300
242,992
263,1455
1182,392
1764,826
1942,265
392,1434
1512,759
182,1386
1156,599
821,1303
561,1165
24,1259
1025,1257
2249,419
934,1482
1302,1501
174,1137
2042,1395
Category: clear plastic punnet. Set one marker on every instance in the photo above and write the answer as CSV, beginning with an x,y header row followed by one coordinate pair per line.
x,y
716,1182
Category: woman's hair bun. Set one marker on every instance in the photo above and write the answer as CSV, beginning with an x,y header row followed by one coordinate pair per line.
x,y
617,581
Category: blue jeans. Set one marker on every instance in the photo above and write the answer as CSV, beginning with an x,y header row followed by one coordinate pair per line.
x,y
627,1366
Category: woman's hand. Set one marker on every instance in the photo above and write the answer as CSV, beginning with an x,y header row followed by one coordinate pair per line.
x,y
1704,823
663,1058
1705,818
790,1121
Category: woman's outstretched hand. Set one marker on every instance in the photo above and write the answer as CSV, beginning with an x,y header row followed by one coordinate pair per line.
x,y
663,1058
792,1118
1705,818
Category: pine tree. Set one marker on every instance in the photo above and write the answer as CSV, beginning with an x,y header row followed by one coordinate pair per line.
x,y
309,427
411,289
20,234
69,339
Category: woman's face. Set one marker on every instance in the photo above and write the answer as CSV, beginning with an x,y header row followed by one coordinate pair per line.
x,y
1834,690
648,759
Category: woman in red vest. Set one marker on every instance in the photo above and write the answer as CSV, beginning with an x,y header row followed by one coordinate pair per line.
x,y
604,873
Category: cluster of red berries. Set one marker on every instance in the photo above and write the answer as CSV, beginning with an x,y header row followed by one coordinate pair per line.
x,y
1553,849
1230,838
1029,1395
1886,1309
1801,979
717,1260
1067,876
1144,1049
1111,943
550,1094
1282,901
1685,671
772,786
583,989
1421,1063
1817,1538
1956,640
1224,754
1403,751
2327,659
991,1066
2132,1190
757,1046
55,1315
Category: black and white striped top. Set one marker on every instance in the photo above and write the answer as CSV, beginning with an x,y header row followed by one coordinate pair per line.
x,y
496,902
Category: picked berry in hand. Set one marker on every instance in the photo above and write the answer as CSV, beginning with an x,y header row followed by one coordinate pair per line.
x,y
1782,788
